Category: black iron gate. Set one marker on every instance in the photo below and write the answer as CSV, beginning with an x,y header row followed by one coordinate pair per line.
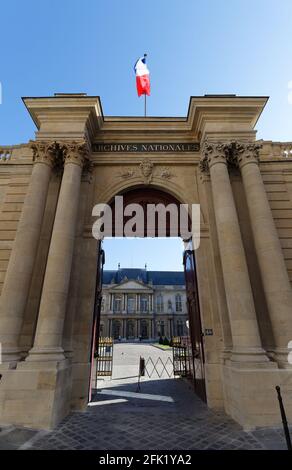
x,y
182,356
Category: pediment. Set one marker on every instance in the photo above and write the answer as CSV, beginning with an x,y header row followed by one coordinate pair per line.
x,y
132,285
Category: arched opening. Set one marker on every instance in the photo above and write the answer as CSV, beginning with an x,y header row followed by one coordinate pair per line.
x,y
146,198
138,308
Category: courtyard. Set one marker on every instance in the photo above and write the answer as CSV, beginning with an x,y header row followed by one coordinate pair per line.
x,y
164,415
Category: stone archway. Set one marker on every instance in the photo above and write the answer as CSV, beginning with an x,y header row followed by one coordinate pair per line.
x,y
210,157
141,193
143,196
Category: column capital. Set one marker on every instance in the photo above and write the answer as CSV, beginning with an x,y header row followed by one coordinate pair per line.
x,y
45,152
246,152
77,153
212,153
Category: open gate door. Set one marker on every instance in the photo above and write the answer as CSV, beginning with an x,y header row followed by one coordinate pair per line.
x,y
195,326
96,314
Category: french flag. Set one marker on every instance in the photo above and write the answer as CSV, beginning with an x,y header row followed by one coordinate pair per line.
x,y
142,76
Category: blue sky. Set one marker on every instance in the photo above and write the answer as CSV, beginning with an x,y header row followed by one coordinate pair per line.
x,y
194,47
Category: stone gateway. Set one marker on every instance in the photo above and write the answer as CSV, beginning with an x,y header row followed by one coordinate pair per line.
x,y
49,259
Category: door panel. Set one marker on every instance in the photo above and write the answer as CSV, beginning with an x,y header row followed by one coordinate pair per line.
x,y
96,314
195,327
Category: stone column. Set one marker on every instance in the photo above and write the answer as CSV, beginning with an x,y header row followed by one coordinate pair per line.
x,y
268,249
19,272
244,327
73,297
49,332
136,303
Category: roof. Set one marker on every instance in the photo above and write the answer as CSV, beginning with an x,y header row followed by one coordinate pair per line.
x,y
172,278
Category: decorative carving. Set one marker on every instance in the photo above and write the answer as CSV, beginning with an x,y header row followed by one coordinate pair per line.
x,y
146,167
245,152
213,152
87,166
166,174
78,153
234,153
127,173
204,165
45,152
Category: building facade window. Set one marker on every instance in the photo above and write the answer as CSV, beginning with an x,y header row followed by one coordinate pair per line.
x,y
117,303
116,329
178,303
131,303
130,329
180,328
160,328
159,303
144,303
144,329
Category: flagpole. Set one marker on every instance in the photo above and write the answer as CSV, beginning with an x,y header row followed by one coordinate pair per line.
x,y
145,99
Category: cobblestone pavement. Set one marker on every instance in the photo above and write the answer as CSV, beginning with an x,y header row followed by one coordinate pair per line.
x,y
164,415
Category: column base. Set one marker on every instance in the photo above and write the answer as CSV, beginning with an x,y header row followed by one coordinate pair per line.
x,y
10,356
45,354
250,397
250,355
36,394
281,356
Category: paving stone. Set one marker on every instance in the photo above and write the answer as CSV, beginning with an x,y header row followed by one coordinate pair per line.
x,y
143,424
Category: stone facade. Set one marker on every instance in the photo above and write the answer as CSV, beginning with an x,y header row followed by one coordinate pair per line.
x,y
140,304
48,257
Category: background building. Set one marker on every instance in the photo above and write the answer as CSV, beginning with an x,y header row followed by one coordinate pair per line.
x,y
137,302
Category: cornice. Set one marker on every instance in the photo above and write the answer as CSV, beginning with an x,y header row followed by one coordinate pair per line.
x,y
230,111
50,114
